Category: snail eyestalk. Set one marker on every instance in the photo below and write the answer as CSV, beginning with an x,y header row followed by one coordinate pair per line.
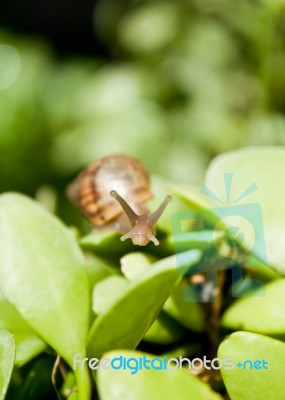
x,y
143,226
129,212
154,217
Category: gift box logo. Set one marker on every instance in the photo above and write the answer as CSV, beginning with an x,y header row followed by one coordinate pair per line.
x,y
231,236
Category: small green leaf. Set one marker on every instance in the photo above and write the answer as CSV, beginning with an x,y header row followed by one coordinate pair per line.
x,y
186,313
101,241
28,344
164,330
189,314
7,355
253,381
97,269
107,291
130,317
261,312
67,389
260,270
150,384
42,274
136,263
197,239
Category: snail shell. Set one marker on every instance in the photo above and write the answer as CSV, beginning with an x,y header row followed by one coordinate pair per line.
x,y
113,188
90,191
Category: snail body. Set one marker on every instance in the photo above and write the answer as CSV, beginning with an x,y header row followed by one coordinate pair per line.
x,y
113,188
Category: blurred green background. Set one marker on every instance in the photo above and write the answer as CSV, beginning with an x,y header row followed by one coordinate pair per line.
x,y
173,83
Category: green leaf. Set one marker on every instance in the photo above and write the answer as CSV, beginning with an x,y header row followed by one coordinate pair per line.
x,y
98,269
150,384
130,317
7,355
197,239
164,330
189,314
261,312
101,241
260,270
67,389
261,167
134,264
42,274
244,383
28,344
114,286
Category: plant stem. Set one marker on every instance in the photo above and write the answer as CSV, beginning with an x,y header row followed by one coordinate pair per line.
x,y
83,383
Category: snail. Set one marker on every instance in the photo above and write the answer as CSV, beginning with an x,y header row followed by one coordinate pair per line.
x,y
112,192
